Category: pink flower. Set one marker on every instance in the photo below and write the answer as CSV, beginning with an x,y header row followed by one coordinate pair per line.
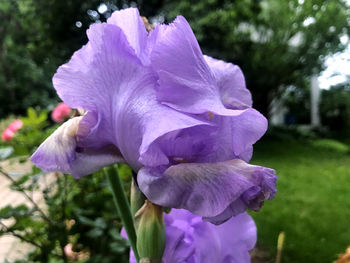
x,y
15,125
60,113
68,250
71,254
7,135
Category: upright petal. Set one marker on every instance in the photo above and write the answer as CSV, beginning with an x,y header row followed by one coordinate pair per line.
x,y
130,22
231,83
105,78
185,80
208,189
86,81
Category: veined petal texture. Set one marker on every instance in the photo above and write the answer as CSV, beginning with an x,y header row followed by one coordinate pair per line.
x,y
182,120
190,240
209,189
107,78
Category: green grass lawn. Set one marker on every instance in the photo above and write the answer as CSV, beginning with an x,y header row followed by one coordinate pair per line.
x,y
312,205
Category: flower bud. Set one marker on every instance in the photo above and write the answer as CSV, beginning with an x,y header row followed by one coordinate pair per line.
x,y
150,232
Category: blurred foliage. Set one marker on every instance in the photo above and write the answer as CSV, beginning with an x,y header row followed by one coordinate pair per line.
x,y
77,212
23,81
297,101
80,212
290,133
276,43
36,36
335,110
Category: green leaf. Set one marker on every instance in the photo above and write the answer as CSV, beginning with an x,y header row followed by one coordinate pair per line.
x,y
18,211
6,152
95,233
117,247
21,181
32,114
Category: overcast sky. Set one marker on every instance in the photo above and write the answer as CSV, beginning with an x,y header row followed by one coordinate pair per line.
x,y
338,66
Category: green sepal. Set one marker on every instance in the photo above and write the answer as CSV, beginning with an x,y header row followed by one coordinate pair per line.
x,y
150,232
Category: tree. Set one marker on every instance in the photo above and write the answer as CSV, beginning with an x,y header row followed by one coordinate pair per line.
x,y
278,44
36,36
22,81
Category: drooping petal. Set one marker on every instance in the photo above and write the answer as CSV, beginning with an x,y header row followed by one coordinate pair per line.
x,y
130,22
59,152
252,199
91,160
208,189
185,80
231,83
105,78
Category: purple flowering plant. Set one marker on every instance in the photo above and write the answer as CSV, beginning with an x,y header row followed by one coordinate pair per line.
x,y
190,239
182,120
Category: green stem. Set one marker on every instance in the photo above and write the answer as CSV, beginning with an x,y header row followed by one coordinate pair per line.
x,y
137,198
122,205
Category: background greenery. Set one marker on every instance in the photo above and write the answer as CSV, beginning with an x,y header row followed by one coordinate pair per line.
x,y
312,203
79,212
278,53
267,38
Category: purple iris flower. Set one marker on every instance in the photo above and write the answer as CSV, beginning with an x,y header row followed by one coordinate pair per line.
x,y
191,240
182,120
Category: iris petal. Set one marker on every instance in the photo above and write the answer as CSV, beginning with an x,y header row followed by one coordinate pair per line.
x,y
190,240
106,78
130,22
231,83
185,80
59,152
208,189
